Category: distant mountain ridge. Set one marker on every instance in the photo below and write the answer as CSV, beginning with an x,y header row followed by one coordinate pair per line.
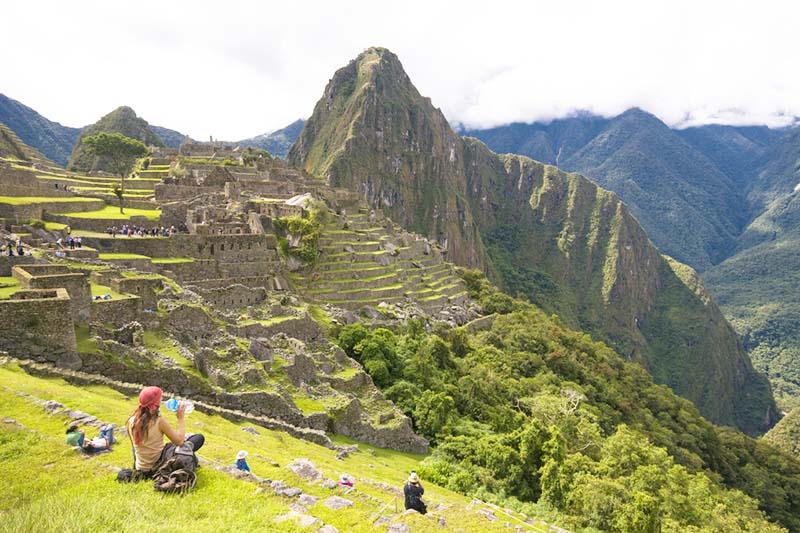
x,y
50,138
571,247
279,141
684,186
53,140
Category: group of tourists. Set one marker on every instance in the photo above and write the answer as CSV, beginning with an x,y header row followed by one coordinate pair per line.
x,y
74,242
168,463
11,246
130,230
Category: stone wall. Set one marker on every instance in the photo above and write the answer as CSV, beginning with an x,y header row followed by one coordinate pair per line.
x,y
234,296
197,269
118,312
223,248
144,288
302,327
37,324
8,262
20,182
35,211
170,192
58,276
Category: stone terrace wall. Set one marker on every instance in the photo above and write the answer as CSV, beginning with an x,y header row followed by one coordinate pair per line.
x,y
37,324
19,182
35,211
57,276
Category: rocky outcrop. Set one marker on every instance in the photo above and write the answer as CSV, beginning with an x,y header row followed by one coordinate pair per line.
x,y
395,433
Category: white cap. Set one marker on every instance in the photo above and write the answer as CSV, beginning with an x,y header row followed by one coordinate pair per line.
x,y
241,455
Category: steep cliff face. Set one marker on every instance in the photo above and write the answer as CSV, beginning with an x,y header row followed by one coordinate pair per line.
x,y
122,120
570,246
374,133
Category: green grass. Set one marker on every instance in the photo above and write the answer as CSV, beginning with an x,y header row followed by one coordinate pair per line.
x,y
171,260
157,341
46,486
99,290
113,256
85,342
111,212
54,226
31,200
8,286
268,321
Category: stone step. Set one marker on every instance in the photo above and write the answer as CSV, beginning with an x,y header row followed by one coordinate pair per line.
x,y
81,253
373,302
359,256
355,274
359,294
345,264
339,246
354,283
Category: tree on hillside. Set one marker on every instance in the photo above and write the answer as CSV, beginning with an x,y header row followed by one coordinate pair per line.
x,y
120,151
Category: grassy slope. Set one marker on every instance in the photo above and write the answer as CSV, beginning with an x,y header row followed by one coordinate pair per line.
x,y
48,487
111,212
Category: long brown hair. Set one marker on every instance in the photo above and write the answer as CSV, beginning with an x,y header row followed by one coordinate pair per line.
x,y
142,420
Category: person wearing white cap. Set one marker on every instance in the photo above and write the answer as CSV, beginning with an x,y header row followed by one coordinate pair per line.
x,y
413,492
345,480
241,461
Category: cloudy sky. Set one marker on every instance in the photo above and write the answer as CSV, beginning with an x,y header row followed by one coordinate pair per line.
x,y
236,69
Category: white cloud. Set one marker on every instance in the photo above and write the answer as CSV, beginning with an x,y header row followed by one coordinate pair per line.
x,y
235,69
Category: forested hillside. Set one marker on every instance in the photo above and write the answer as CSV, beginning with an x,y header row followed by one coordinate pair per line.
x,y
528,411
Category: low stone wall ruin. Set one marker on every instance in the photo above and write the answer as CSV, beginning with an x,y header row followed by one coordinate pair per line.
x,y
119,311
37,325
48,276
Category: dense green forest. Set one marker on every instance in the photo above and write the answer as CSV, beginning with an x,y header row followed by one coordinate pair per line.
x,y
522,410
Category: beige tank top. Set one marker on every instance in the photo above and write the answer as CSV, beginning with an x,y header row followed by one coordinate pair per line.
x,y
148,452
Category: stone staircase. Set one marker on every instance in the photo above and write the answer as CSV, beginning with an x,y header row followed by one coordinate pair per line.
x,y
365,262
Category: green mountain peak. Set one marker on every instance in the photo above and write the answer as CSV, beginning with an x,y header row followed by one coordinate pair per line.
x,y
122,120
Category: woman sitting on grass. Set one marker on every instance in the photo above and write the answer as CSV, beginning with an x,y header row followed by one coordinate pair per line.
x,y
147,430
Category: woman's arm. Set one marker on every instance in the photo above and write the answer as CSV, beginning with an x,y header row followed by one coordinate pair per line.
x,y
177,437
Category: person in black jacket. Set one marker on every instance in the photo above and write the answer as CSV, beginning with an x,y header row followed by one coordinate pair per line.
x,y
413,492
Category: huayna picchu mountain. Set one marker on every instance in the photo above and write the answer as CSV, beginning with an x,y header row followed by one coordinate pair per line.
x,y
122,120
569,246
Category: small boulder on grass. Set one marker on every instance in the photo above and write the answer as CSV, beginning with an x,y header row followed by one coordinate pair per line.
x,y
337,502
305,469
